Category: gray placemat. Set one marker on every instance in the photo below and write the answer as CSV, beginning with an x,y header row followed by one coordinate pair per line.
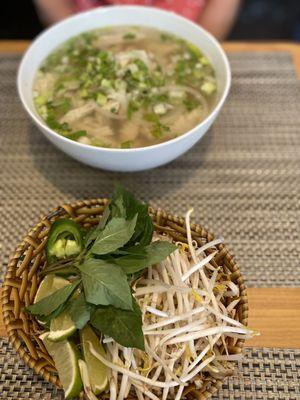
x,y
243,178
264,374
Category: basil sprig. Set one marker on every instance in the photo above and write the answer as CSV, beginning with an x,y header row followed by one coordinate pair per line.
x,y
115,252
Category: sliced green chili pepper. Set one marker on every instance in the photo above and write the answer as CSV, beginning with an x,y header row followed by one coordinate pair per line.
x,y
65,240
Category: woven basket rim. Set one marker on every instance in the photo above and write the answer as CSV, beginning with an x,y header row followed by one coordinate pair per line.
x,y
67,210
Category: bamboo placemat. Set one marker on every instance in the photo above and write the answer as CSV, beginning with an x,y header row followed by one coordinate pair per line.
x,y
264,374
243,178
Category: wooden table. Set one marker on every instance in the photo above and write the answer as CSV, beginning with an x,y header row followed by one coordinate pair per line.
x,y
274,312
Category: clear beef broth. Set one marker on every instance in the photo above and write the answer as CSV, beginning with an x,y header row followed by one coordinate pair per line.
x,y
124,87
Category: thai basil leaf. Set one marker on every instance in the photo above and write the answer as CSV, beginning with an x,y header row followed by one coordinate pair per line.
x,y
105,284
116,234
140,257
147,230
46,319
125,327
124,204
50,303
80,311
93,233
104,218
117,206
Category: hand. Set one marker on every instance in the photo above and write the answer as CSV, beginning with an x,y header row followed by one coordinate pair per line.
x,y
219,16
51,11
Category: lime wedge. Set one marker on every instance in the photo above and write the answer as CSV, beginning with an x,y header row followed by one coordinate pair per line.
x,y
98,374
65,358
50,284
61,327
86,380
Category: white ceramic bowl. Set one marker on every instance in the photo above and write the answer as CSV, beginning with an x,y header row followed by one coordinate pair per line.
x,y
123,159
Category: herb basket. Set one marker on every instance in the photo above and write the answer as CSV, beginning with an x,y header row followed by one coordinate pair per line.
x,y
22,280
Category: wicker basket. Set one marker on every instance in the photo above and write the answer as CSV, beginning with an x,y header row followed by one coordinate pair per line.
x,y
22,280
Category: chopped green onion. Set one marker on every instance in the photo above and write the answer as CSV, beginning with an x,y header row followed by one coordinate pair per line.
x,y
141,65
194,50
131,109
199,73
106,84
204,61
52,122
160,108
208,88
158,128
99,143
164,37
40,101
127,144
60,106
76,135
84,93
129,36
101,99
190,103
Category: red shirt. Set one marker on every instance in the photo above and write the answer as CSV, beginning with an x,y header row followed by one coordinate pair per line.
x,y
190,9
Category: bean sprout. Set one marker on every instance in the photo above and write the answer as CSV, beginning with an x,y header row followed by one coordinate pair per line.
x,y
188,309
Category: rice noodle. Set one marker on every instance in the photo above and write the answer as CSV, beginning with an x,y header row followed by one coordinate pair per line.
x,y
109,114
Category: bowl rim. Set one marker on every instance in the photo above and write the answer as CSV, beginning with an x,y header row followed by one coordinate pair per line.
x,y
131,8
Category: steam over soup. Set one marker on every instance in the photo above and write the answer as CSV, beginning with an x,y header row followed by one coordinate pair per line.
x,y
124,87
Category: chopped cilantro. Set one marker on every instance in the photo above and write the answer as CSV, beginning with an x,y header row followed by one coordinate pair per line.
x,y
191,103
129,36
60,106
141,65
132,108
165,37
158,129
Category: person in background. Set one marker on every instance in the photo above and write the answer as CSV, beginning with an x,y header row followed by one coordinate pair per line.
x,y
19,20
217,16
268,19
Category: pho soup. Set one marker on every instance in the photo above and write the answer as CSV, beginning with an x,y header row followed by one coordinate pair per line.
x,y
124,87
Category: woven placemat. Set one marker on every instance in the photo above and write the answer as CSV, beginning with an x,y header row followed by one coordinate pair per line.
x,y
243,178
264,374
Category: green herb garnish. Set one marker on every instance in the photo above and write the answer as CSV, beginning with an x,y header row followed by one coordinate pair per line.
x,y
124,326
165,37
158,129
105,283
129,36
131,109
51,303
76,135
106,261
80,311
191,103
127,144
52,122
